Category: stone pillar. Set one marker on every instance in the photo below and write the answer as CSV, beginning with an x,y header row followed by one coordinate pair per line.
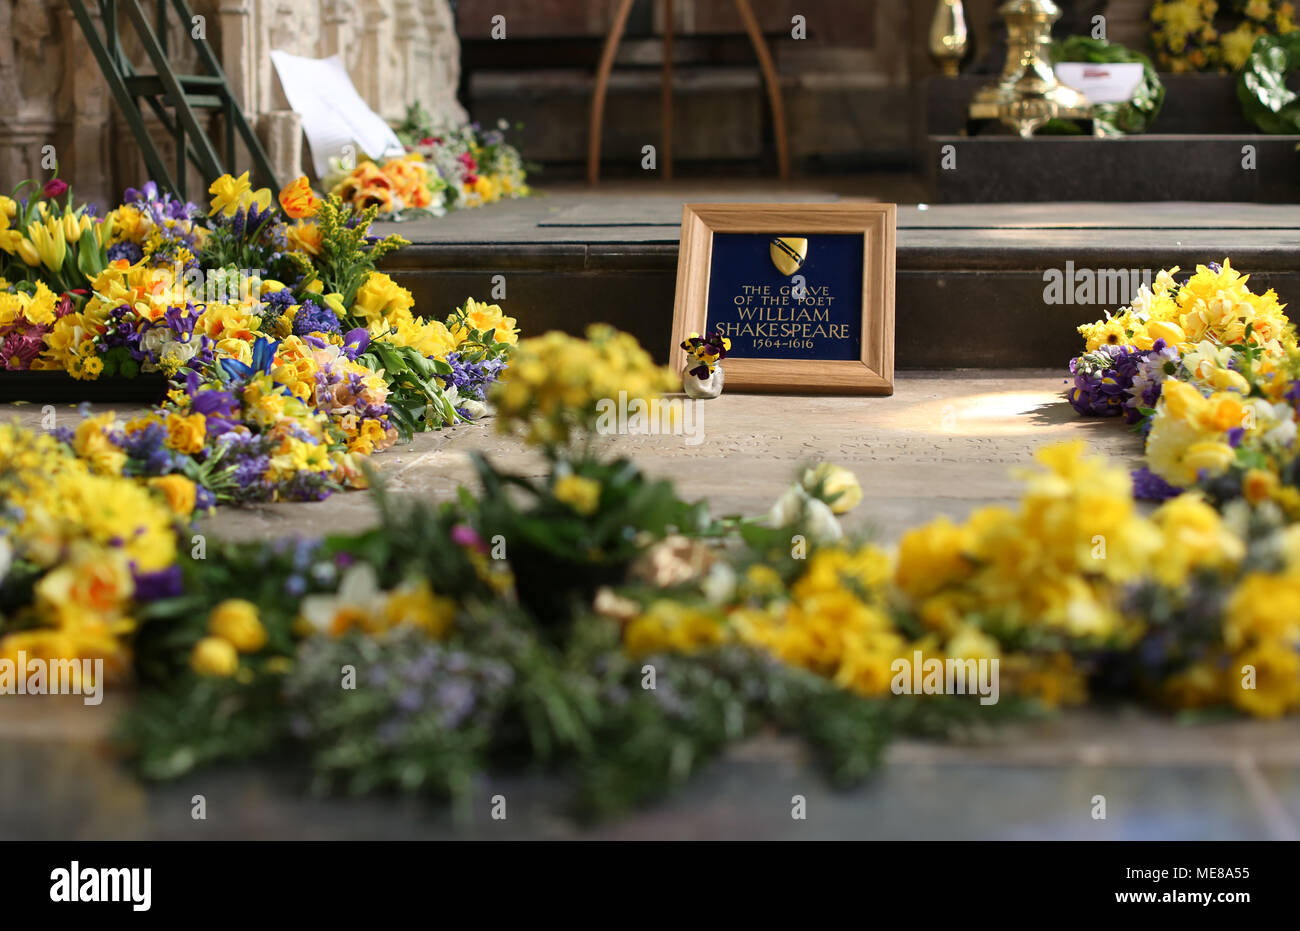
x,y
84,108
438,66
237,52
31,65
368,74
281,135
336,17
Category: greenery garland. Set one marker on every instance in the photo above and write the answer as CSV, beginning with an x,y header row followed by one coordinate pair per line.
x,y
1262,87
1117,119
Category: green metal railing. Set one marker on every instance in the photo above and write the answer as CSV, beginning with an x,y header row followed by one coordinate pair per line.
x,y
172,98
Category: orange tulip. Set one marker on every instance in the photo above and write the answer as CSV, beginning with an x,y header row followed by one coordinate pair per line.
x,y
298,200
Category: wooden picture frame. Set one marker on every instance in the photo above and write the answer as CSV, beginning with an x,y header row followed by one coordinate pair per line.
x,y
872,372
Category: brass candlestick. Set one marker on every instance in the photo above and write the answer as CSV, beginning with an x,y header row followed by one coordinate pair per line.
x,y
1028,93
948,39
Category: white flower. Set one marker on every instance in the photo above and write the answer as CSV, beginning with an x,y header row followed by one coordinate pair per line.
x,y
178,353
1282,436
476,410
359,595
797,508
821,523
156,338
720,584
788,508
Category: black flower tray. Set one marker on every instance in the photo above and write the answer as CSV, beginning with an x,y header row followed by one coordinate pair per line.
x,y
62,388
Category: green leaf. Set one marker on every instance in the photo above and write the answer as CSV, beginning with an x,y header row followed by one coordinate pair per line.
x,y
1262,86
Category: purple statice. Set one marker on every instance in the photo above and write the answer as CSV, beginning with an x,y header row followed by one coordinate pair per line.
x,y
164,583
204,499
125,250
472,378
1147,486
282,299
306,486
243,460
275,304
312,318
148,448
1292,394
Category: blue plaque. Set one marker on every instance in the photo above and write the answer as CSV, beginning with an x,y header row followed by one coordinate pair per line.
x,y
796,296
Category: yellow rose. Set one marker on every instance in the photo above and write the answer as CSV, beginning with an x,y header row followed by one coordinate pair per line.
x,y
91,443
236,622
179,492
186,434
213,656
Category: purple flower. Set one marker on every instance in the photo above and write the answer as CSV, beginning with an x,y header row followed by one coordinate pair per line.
x,y
125,250
314,319
469,378
1147,486
164,583
54,188
355,342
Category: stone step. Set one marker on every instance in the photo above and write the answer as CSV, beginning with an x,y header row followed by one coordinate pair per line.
x,y
719,112
971,279
1221,167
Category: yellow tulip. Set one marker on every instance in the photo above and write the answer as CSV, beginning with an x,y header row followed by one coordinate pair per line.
x,y
27,252
71,230
49,243
104,230
1171,333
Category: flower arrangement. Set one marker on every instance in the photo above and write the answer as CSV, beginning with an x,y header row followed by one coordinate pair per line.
x,y
520,622
1205,35
445,168
80,546
706,352
288,357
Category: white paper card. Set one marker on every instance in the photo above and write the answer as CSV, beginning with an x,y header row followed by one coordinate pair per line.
x,y
1101,83
333,113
